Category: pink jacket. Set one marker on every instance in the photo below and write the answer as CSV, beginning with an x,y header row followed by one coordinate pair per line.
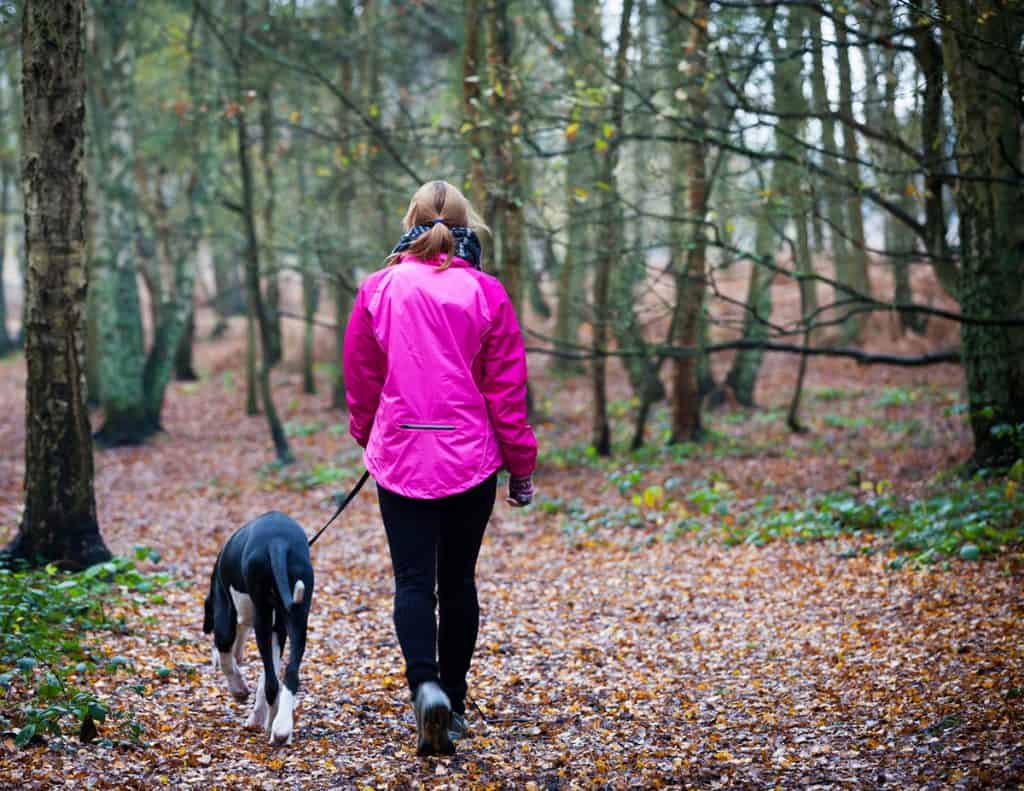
x,y
435,374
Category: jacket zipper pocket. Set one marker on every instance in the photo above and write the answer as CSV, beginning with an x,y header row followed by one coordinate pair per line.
x,y
427,426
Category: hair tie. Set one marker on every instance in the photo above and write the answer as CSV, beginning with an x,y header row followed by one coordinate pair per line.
x,y
438,221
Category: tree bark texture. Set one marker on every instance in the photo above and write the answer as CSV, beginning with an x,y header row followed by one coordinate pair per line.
x,y
928,55
981,44
857,275
691,281
746,365
472,76
269,159
121,352
584,81
252,261
834,205
6,341
59,521
610,252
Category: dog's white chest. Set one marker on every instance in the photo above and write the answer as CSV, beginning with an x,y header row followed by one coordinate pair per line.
x,y
243,606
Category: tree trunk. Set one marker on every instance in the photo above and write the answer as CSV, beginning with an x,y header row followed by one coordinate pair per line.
x,y
370,21
7,344
582,72
984,85
184,367
230,298
122,353
507,120
472,76
339,265
268,157
612,242
252,261
746,365
834,205
252,398
310,283
8,133
691,281
177,280
882,67
92,308
59,521
857,277
643,370
928,55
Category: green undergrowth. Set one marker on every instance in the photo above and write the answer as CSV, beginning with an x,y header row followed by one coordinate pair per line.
x,y
714,445
967,518
296,478
50,625
338,472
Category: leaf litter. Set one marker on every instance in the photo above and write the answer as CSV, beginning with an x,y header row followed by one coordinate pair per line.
x,y
612,658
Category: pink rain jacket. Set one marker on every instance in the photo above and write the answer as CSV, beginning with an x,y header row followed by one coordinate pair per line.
x,y
435,374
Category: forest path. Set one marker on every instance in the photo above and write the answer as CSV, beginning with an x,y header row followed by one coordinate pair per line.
x,y
612,663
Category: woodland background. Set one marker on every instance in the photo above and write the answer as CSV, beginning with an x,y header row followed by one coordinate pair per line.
x,y
767,258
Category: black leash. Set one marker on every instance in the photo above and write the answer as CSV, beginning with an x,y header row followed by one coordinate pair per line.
x,y
342,507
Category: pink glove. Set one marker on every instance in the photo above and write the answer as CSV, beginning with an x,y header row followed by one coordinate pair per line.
x,y
520,491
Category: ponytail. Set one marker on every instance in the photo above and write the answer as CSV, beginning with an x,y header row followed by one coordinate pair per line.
x,y
442,207
431,244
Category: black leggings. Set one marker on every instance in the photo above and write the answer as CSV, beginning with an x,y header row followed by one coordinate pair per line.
x,y
435,543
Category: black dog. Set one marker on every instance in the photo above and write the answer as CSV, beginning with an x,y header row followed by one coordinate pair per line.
x,y
263,579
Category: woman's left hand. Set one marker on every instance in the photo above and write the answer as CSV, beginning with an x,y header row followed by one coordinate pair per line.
x,y
520,491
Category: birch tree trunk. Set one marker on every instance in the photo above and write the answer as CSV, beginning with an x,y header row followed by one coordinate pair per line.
x,y
59,521
122,354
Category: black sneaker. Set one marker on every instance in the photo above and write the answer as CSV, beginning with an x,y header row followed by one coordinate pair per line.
x,y
433,713
458,730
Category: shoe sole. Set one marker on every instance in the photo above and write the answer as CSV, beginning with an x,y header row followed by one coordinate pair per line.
x,y
433,732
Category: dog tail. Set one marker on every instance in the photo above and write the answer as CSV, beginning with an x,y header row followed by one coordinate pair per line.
x,y
279,565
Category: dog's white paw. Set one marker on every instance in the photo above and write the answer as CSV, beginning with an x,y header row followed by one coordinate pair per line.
x,y
258,717
284,722
271,714
281,733
237,687
236,681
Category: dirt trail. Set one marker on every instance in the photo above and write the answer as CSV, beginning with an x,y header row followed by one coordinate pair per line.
x,y
615,661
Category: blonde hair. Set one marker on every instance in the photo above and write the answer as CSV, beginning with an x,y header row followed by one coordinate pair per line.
x,y
437,200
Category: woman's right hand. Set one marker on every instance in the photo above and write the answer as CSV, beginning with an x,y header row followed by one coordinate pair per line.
x,y
520,490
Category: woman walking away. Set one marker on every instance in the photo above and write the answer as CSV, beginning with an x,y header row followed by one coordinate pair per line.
x,y
436,377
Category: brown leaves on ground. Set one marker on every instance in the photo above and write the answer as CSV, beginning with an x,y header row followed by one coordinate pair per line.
x,y
617,662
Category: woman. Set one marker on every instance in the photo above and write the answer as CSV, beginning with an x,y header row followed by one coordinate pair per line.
x,y
436,378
